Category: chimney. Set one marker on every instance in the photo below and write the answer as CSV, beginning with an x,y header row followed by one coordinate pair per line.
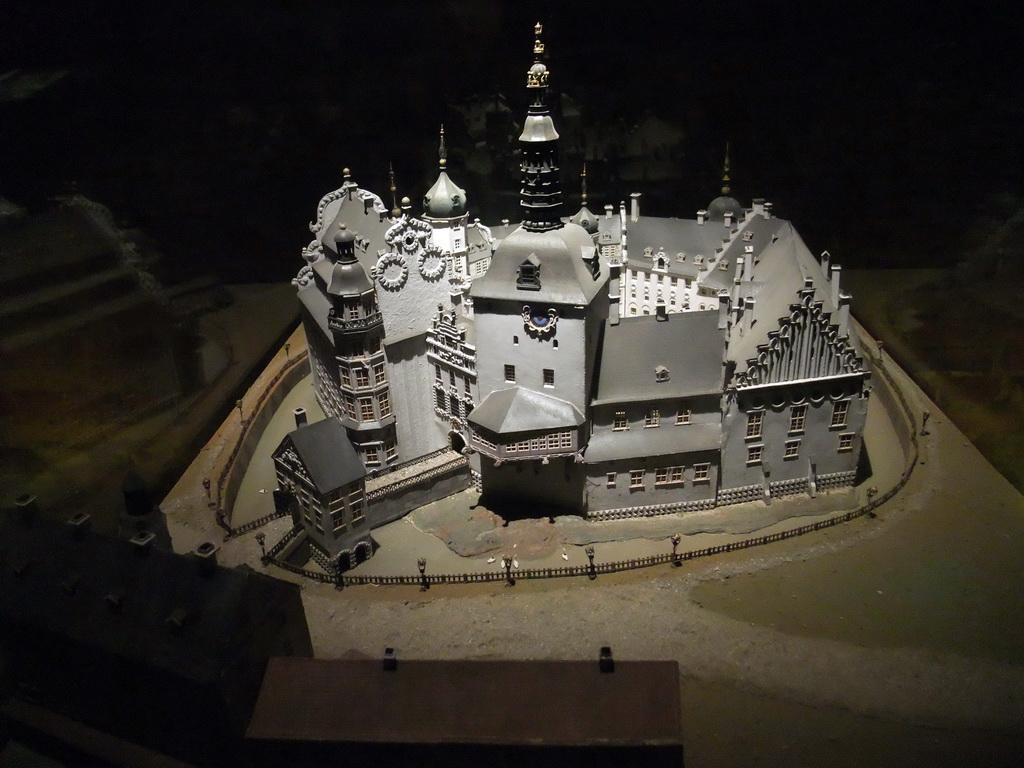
x,y
80,523
700,216
347,182
608,209
723,309
750,263
844,315
735,300
614,291
825,257
606,663
758,206
142,542
206,554
741,268
748,313
660,312
728,220
767,210
834,284
389,662
27,507
634,206
300,417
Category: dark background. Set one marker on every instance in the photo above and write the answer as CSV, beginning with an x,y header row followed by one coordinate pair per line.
x,y
887,135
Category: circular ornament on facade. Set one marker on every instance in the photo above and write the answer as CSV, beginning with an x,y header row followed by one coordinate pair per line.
x,y
391,271
540,321
410,242
431,264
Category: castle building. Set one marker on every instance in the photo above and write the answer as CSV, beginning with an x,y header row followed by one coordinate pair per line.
x,y
605,365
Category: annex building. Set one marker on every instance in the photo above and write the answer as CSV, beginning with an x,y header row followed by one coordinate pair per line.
x,y
607,365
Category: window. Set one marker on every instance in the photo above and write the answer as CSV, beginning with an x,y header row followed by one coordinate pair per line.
x,y
610,482
510,373
701,473
549,377
684,416
619,423
439,399
451,378
515,341
653,418
797,418
453,401
338,518
636,478
353,310
465,385
755,423
366,408
355,504
385,404
350,405
792,449
839,411
754,454
846,441
362,377
391,450
529,275
344,377
372,456
668,475
565,440
437,372
378,374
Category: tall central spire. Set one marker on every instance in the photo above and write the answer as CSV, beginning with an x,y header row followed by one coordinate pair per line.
x,y
540,196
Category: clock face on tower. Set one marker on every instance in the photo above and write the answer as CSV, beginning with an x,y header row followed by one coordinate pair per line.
x,y
540,320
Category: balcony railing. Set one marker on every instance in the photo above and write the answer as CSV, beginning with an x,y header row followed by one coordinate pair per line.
x,y
336,323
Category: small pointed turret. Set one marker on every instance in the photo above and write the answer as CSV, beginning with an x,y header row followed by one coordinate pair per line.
x,y
444,200
725,203
584,217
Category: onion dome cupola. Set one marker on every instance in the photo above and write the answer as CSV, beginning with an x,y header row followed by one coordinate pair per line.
x,y
348,278
446,199
540,196
725,203
584,217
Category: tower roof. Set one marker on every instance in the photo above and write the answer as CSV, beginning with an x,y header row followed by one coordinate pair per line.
x,y
445,199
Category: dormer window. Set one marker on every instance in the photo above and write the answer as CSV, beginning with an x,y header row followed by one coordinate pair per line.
x,y
648,252
529,275
748,236
661,374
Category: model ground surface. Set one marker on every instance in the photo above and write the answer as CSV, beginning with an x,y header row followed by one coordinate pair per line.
x,y
98,399
790,655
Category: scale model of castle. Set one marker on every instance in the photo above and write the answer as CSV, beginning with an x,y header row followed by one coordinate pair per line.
x,y
607,365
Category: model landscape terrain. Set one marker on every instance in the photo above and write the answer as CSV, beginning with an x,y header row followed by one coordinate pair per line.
x,y
892,638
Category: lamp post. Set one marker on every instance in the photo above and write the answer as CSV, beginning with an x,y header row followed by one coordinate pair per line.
x,y
238,405
287,351
506,560
261,539
424,584
206,487
676,538
590,556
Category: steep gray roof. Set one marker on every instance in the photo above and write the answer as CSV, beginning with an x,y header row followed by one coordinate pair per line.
x,y
524,410
608,445
564,276
445,199
688,344
327,454
777,280
673,236
318,306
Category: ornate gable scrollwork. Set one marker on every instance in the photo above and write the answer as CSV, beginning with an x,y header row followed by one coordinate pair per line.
x,y
805,346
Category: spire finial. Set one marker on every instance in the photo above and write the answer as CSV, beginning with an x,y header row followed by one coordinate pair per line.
x,y
395,211
725,171
583,183
537,77
442,150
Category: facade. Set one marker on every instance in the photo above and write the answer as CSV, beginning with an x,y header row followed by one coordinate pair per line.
x,y
606,365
